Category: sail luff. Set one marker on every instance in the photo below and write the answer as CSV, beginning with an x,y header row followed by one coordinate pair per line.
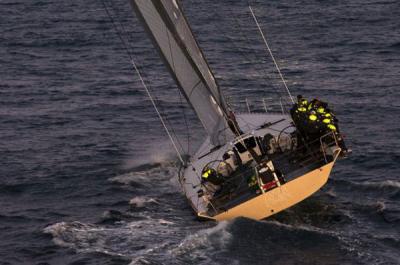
x,y
173,38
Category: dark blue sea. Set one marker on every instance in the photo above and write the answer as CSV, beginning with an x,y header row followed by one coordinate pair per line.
x,y
88,176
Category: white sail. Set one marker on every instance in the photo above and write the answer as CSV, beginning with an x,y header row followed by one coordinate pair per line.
x,y
171,34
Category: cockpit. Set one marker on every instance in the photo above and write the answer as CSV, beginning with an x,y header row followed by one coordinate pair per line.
x,y
247,147
246,167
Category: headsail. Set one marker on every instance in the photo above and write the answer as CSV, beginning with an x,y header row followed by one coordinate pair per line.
x,y
173,37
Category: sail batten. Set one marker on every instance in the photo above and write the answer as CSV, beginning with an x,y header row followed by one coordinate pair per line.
x,y
172,36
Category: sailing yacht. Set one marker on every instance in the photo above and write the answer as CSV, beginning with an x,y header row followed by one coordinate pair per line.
x,y
261,161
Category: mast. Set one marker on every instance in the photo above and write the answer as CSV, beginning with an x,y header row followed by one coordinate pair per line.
x,y
170,32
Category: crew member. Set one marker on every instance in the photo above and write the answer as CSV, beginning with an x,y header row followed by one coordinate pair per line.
x,y
321,110
313,116
315,104
210,175
211,185
312,125
300,106
298,112
328,120
301,103
224,169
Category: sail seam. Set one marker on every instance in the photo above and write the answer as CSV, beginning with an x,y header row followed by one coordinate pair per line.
x,y
194,87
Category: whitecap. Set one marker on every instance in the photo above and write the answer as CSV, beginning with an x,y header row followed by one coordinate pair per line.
x,y
128,239
217,236
141,201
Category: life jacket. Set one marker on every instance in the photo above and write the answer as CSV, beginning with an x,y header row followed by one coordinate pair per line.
x,y
327,118
320,110
326,121
302,105
301,109
313,117
332,127
210,175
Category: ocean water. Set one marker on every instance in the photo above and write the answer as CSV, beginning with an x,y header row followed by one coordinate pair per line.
x,y
88,176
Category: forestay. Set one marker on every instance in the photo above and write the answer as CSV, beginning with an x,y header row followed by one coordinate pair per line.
x,y
171,34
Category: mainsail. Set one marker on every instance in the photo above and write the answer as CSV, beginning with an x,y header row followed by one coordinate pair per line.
x,y
171,34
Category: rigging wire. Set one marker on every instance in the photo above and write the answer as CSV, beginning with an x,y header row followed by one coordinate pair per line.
x,y
257,59
160,106
254,61
143,82
270,52
182,105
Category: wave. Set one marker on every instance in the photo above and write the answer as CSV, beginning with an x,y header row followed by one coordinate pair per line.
x,y
142,201
128,239
144,241
283,243
146,174
390,213
14,188
395,45
136,179
382,184
15,219
317,211
391,186
156,154
114,216
388,239
383,210
202,237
